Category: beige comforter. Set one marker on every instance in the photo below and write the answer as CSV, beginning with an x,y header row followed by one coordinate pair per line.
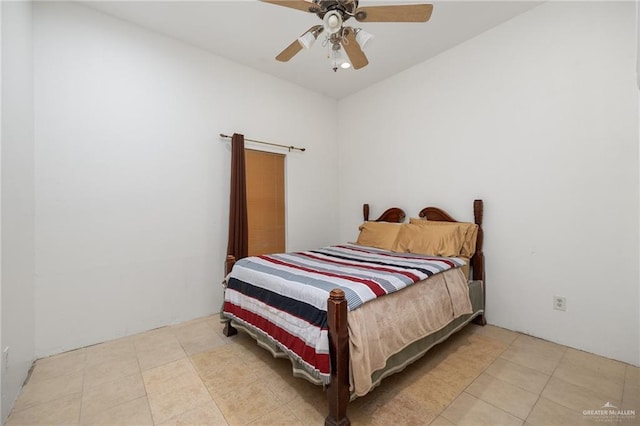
x,y
386,325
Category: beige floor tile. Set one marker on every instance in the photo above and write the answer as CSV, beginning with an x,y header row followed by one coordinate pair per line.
x,y
115,350
309,411
575,397
632,375
468,410
151,339
546,413
131,413
109,371
402,410
631,403
205,414
512,399
258,365
631,399
609,388
441,421
39,392
515,374
592,371
212,363
61,411
498,333
281,416
228,373
473,360
196,337
534,353
173,374
110,394
599,365
487,346
287,388
433,392
159,355
458,372
247,403
362,410
220,385
176,401
59,365
631,394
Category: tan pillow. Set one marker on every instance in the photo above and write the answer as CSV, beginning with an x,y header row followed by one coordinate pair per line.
x,y
469,233
431,240
378,234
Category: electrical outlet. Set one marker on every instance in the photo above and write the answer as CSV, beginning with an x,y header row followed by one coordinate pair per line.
x,y
5,359
560,303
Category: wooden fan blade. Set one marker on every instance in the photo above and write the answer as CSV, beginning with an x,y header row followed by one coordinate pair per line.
x,y
356,56
295,47
303,5
396,13
290,51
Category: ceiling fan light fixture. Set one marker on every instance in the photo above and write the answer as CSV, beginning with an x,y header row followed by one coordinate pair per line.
x,y
363,37
339,60
332,21
307,39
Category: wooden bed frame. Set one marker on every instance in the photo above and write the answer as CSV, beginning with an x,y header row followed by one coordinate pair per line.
x,y
338,388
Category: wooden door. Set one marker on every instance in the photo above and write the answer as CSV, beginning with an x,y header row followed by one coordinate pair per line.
x,y
265,201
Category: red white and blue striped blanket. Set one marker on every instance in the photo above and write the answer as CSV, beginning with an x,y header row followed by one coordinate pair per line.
x,y
284,296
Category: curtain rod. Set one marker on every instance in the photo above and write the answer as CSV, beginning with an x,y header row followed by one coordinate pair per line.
x,y
222,135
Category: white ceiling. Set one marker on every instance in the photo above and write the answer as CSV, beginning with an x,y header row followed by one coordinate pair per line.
x,y
253,33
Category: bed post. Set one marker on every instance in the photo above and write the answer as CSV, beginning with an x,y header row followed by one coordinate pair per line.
x,y
228,330
477,262
338,390
228,264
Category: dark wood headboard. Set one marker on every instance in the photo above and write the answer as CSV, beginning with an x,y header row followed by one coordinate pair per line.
x,y
477,260
393,214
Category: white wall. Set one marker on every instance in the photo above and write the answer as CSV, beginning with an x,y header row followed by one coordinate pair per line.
x,y
17,202
132,180
539,117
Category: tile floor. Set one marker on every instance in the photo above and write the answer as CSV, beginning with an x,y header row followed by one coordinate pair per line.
x,y
191,374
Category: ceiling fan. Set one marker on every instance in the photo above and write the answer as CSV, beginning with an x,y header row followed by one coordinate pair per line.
x,y
334,13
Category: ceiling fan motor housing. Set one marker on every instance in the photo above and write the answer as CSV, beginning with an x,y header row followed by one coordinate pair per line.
x,y
345,8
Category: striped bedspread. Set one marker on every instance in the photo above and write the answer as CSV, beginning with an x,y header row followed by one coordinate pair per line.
x,y
284,296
